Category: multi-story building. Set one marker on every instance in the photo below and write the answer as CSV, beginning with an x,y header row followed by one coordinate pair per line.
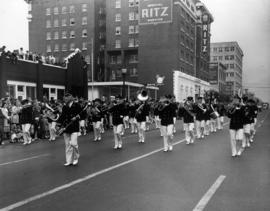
x,y
58,27
231,55
217,77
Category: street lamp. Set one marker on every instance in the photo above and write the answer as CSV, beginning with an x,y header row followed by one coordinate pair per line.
x,y
124,72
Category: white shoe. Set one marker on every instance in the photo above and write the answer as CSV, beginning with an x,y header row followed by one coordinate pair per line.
x,y
202,136
142,140
239,152
165,149
75,162
248,144
115,147
251,140
234,155
67,164
120,146
192,141
188,142
170,148
99,138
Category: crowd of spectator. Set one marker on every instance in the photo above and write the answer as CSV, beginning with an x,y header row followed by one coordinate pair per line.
x,y
20,54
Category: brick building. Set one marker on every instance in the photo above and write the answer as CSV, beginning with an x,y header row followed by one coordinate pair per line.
x,y
217,77
58,27
231,55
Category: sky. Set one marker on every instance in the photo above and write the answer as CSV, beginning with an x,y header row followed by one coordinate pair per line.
x,y
244,21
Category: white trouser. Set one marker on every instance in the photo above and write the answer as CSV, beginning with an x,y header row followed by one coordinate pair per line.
x,y
141,130
118,131
200,128
167,133
235,135
72,147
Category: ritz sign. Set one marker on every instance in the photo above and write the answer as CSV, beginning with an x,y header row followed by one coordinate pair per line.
x,y
205,32
155,11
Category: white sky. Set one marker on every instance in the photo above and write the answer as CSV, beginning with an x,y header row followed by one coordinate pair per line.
x,y
244,21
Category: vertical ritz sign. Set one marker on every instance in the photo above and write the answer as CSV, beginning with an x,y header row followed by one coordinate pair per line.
x,y
155,11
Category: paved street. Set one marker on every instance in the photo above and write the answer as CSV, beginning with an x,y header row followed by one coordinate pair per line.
x,y
140,176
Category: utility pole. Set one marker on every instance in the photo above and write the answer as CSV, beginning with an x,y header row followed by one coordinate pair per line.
x,y
92,66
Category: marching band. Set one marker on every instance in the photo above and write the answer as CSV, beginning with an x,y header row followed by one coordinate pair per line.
x,y
200,118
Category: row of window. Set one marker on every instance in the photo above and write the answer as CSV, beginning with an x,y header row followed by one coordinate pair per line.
x,y
64,22
117,59
65,47
65,9
133,29
133,72
223,49
220,58
132,42
64,34
131,3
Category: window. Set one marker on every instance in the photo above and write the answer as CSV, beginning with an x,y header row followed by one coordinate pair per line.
x,y
72,34
226,57
118,73
117,43
64,22
72,21
84,33
84,20
20,88
232,48
220,49
131,42
137,42
137,16
56,48
119,59
137,29
215,58
56,23
64,10
64,34
137,2
56,35
64,47
220,58
133,71
133,58
231,66
227,49
84,7
131,16
48,11
131,3
232,57
113,59
72,46
48,24
55,10
113,75
72,9
84,45
215,49
49,49
48,36
118,17
117,3
118,30
131,30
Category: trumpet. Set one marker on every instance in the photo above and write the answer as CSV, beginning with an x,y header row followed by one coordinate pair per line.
x,y
201,107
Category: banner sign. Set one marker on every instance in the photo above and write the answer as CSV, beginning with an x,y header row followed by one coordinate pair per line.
x,y
205,32
155,11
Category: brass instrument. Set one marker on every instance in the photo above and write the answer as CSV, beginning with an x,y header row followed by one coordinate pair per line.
x,y
187,109
201,107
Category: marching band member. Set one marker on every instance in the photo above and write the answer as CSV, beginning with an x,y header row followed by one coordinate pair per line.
x,y
213,116
247,120
175,107
221,111
236,113
117,120
188,117
132,120
69,118
254,109
26,121
156,115
83,118
200,110
126,117
96,119
141,113
166,114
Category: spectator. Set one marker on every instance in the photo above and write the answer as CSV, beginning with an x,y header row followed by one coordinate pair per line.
x,y
21,53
